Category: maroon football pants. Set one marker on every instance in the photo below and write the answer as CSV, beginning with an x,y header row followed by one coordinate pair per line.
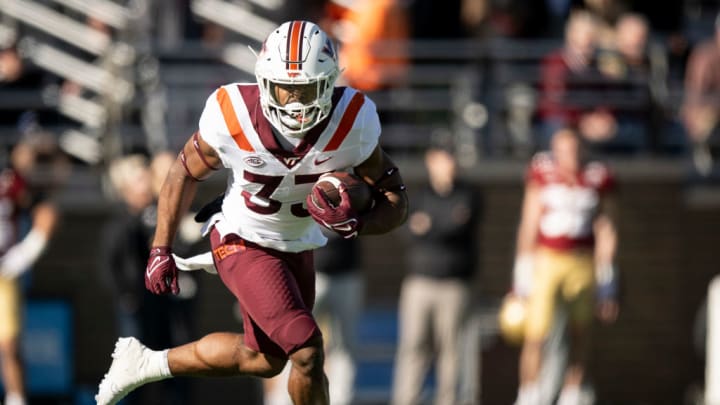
x,y
276,292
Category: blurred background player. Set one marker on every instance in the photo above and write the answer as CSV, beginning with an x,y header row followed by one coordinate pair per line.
x,y
435,296
566,245
339,289
19,199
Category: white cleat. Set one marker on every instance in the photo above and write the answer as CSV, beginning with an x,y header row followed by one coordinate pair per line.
x,y
127,371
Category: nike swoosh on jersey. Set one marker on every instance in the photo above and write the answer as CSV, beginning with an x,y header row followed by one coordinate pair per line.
x,y
318,162
156,263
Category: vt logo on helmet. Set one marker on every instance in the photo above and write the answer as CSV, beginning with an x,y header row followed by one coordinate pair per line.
x,y
296,71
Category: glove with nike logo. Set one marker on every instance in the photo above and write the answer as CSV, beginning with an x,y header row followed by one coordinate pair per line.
x,y
161,275
343,219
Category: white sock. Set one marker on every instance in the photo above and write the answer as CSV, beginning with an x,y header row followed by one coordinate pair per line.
x,y
158,366
576,395
528,394
13,398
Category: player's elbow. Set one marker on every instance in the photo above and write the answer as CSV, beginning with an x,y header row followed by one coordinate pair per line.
x,y
400,212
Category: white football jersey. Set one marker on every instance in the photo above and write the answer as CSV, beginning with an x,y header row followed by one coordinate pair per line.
x,y
267,184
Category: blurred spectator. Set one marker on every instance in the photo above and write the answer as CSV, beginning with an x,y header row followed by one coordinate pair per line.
x,y
160,320
636,86
701,107
569,83
373,41
606,14
19,254
565,250
339,287
435,296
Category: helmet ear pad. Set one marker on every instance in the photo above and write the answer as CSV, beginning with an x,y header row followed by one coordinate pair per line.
x,y
297,53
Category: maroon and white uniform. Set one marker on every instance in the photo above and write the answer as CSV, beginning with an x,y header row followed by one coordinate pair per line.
x,y
267,185
569,205
263,238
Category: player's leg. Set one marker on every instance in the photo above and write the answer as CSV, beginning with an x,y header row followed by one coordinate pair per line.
x,y
540,311
555,354
12,372
414,346
308,383
221,354
217,354
276,291
578,291
452,299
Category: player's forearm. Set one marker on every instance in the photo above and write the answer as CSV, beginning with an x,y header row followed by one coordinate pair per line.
x,y
529,222
177,193
605,242
526,238
388,214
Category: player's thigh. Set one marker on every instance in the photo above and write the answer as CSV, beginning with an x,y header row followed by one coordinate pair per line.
x,y
9,310
272,302
578,288
543,295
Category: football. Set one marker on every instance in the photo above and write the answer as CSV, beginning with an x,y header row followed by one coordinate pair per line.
x,y
359,191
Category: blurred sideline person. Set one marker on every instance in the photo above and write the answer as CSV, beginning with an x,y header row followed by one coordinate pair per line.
x,y
159,321
19,253
340,289
565,250
435,296
276,136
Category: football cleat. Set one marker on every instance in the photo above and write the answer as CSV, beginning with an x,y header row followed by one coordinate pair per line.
x,y
129,370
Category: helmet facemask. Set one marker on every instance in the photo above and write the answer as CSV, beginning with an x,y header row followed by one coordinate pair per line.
x,y
297,116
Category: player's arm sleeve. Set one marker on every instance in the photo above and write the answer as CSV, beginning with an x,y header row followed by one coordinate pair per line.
x,y
198,158
370,130
212,128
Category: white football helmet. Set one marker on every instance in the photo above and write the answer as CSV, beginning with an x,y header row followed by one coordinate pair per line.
x,y
297,53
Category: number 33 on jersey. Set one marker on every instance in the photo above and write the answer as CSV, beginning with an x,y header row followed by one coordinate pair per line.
x,y
268,183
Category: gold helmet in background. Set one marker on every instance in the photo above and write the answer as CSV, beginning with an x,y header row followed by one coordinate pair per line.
x,y
512,318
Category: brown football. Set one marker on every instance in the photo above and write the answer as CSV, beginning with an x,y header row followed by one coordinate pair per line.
x,y
359,191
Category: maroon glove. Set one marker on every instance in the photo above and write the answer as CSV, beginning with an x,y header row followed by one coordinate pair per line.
x,y
161,273
343,219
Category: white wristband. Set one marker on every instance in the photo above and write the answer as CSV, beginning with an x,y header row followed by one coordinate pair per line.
x,y
523,274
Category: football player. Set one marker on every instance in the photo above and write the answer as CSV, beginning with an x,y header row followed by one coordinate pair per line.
x,y
565,249
18,256
275,137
